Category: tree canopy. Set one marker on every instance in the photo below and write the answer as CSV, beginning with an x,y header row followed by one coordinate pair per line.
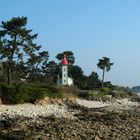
x,y
105,65
93,81
16,41
78,76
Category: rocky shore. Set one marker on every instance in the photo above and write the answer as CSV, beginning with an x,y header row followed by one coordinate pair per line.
x,y
71,120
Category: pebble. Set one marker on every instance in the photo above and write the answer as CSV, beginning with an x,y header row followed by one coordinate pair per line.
x,y
35,110
32,111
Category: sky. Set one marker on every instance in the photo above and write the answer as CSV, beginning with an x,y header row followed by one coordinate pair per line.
x,y
91,29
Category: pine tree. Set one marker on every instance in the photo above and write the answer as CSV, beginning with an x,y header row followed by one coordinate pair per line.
x,y
16,41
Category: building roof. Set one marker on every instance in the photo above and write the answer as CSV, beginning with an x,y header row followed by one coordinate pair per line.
x,y
64,61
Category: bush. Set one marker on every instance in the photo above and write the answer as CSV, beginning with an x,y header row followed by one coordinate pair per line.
x,y
108,84
121,92
51,88
96,95
83,94
67,91
9,94
24,92
105,89
21,93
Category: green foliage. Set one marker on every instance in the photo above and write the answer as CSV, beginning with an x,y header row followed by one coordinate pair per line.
x,y
67,91
121,92
11,95
51,70
78,76
105,90
36,65
105,65
83,94
21,93
99,96
93,95
96,93
16,41
93,81
108,84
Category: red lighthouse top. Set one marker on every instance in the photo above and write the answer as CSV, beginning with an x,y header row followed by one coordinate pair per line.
x,y
64,61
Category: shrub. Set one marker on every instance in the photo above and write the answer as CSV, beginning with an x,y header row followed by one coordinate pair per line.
x,y
67,91
83,94
97,93
121,92
9,94
105,89
24,92
108,84
38,90
51,88
21,93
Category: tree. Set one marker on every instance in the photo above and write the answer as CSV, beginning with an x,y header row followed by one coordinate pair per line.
x,y
51,71
15,42
105,65
69,54
39,59
93,81
78,76
20,72
36,65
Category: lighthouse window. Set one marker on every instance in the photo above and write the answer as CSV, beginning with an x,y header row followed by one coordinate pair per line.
x,y
64,69
64,81
64,75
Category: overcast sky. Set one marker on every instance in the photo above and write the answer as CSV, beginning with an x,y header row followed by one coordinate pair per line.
x,y
90,28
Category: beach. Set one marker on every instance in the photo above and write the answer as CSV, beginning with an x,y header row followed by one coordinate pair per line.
x,y
72,119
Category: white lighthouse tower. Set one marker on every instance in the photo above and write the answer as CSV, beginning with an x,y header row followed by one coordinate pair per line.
x,y
64,79
64,71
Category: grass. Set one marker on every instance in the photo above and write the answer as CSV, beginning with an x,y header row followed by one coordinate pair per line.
x,y
97,93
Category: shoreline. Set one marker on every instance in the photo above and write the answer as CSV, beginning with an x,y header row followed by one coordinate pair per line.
x,y
75,120
61,110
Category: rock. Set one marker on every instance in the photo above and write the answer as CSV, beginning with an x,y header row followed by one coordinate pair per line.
x,y
44,101
97,138
1,101
6,123
1,125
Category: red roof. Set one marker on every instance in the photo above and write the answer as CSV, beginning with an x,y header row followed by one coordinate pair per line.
x,y
64,61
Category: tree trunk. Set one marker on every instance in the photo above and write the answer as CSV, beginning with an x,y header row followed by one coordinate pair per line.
x,y
8,76
10,60
103,77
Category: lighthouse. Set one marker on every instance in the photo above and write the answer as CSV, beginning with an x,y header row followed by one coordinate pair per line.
x,y
64,63
63,79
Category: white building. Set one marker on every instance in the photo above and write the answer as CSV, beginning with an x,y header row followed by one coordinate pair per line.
x,y
70,81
